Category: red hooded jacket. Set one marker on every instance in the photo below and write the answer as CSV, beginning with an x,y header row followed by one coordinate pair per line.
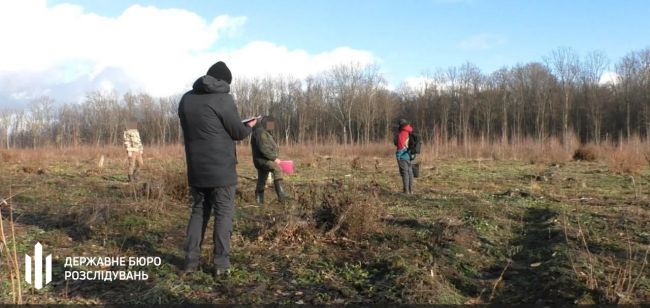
x,y
403,136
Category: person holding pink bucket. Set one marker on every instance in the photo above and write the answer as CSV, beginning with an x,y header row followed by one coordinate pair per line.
x,y
265,158
286,166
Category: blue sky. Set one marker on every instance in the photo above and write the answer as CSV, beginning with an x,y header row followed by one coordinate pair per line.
x,y
413,35
408,37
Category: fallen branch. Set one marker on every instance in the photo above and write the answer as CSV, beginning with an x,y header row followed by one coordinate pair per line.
x,y
496,283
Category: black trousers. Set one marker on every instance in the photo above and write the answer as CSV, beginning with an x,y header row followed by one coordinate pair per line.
x,y
204,201
406,171
263,173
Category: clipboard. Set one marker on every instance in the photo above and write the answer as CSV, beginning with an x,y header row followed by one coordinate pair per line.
x,y
250,119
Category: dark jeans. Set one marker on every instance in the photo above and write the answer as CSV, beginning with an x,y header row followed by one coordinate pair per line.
x,y
221,200
263,174
406,171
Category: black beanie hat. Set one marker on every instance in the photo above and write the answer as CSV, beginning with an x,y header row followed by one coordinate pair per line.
x,y
220,71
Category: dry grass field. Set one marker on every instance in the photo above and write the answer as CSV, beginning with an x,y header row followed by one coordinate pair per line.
x,y
487,224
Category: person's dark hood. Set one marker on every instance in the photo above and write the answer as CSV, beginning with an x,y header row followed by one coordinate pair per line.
x,y
209,84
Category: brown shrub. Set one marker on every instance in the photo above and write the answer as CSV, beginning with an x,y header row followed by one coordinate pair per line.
x,y
167,184
331,150
150,190
175,186
7,156
312,163
291,231
351,211
431,288
584,154
245,194
625,162
356,163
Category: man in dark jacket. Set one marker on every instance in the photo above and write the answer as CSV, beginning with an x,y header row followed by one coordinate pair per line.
x,y
265,158
211,124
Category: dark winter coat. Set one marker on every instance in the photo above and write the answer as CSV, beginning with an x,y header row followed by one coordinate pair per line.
x,y
264,148
210,124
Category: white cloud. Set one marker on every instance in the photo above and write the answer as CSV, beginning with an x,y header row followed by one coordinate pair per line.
x,y
608,77
482,41
265,58
418,83
65,51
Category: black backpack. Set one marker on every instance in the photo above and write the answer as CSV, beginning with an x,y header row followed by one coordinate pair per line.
x,y
415,143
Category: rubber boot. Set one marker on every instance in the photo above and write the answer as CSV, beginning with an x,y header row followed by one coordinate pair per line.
x,y
279,191
259,197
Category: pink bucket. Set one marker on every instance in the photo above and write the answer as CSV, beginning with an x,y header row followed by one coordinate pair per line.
x,y
286,166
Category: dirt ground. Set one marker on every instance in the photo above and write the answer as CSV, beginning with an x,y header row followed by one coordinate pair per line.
x,y
475,231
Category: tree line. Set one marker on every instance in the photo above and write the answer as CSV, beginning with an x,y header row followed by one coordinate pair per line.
x,y
560,96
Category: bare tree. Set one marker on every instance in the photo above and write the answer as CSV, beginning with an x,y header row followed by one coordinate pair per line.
x,y
590,72
564,64
40,116
352,104
344,86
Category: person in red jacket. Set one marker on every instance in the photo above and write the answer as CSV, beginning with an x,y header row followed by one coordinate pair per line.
x,y
404,159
